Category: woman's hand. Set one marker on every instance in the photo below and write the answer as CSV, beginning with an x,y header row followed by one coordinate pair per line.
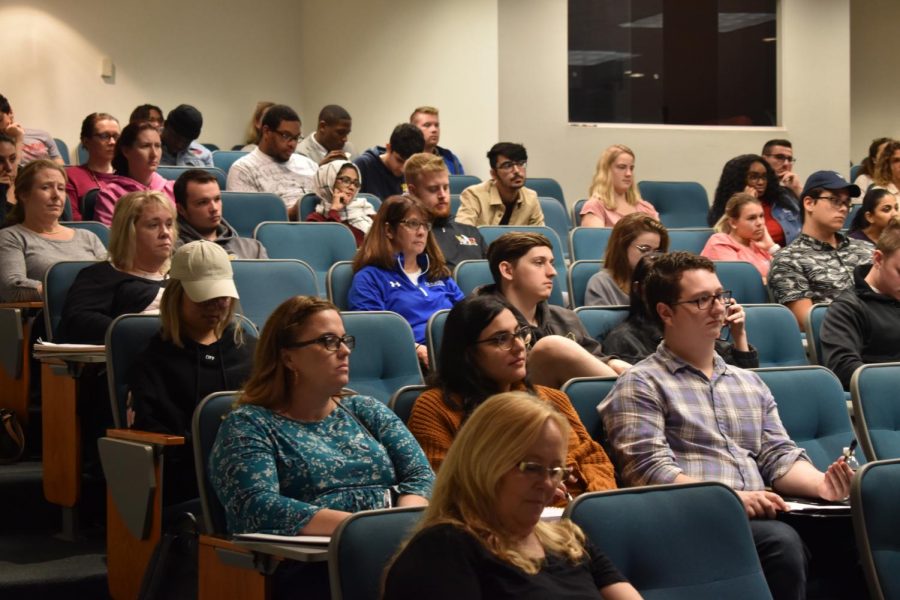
x,y
422,353
340,199
749,189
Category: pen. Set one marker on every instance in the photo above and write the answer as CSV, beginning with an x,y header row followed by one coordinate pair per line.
x,y
848,452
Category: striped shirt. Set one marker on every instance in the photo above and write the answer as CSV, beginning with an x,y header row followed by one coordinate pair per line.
x,y
664,417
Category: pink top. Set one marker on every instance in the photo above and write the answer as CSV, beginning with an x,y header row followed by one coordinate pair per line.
x,y
610,217
721,246
81,181
119,186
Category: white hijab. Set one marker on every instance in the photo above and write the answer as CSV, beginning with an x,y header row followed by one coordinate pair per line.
x,y
358,212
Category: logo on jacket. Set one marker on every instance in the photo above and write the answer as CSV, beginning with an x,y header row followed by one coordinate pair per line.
x,y
465,240
394,284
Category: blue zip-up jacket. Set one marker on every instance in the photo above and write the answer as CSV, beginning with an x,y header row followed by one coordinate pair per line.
x,y
374,288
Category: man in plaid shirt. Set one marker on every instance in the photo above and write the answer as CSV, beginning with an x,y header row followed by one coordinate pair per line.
x,y
684,415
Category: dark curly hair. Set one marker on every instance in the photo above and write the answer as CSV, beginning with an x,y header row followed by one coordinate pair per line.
x,y
734,180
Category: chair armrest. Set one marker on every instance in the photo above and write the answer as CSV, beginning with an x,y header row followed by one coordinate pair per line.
x,y
146,437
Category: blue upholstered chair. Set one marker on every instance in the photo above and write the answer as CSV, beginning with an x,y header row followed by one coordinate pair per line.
x,y
546,187
691,239
223,159
434,334
589,243
556,218
743,280
679,203
600,320
173,172
814,321
263,284
876,522
337,283
586,393
245,210
460,182
873,389
772,330
580,272
95,227
404,399
57,281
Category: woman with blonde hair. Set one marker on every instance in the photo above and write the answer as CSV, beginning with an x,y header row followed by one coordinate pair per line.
x,y
35,239
254,127
482,535
632,237
141,239
613,192
741,234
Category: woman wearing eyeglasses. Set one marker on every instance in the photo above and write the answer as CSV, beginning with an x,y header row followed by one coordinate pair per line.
x,y
299,455
751,174
482,535
99,134
614,192
136,159
638,336
632,237
741,234
337,184
483,352
400,267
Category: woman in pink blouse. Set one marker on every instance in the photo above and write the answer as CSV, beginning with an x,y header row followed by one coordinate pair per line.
x,y
613,191
742,234
137,157
99,134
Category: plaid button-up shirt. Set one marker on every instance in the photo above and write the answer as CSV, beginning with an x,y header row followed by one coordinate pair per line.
x,y
664,417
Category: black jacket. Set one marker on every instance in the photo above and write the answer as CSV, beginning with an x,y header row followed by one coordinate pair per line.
x,y
235,245
377,179
458,242
860,327
168,382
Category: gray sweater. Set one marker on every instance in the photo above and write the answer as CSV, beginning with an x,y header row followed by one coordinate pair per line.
x,y
603,291
25,257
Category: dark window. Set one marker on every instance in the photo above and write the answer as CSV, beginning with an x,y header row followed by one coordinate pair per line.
x,y
675,62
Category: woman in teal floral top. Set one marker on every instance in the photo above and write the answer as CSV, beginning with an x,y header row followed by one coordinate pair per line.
x,y
297,457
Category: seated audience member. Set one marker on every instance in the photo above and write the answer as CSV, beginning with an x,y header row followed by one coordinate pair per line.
x,y
9,167
780,156
329,141
503,199
613,192
819,264
887,168
381,167
198,200
864,177
633,236
135,163
274,167
683,415
300,454
132,279
337,183
741,234
482,535
399,267
149,113
99,134
483,352
179,138
879,206
428,120
862,325
200,349
32,144
522,267
428,180
639,335
254,127
35,240
752,174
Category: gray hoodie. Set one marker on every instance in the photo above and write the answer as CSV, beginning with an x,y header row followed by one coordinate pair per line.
x,y
226,236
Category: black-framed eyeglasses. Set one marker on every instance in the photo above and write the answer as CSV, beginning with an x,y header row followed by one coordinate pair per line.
x,y
783,158
105,136
329,341
347,181
757,177
705,301
288,136
539,471
837,202
508,165
414,225
504,340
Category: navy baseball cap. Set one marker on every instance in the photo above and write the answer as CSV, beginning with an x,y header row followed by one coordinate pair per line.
x,y
829,180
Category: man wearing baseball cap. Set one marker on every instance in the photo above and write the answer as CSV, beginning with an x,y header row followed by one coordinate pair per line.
x,y
179,139
818,265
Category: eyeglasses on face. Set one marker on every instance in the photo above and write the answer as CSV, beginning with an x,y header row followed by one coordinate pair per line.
x,y
783,158
538,471
504,339
705,301
757,177
288,136
347,181
644,248
105,136
510,164
837,202
414,225
329,341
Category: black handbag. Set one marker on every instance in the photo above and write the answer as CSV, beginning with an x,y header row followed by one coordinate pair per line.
x,y
12,438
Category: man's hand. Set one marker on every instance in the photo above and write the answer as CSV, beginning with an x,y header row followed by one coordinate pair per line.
x,y
422,353
836,483
762,504
790,180
333,155
16,132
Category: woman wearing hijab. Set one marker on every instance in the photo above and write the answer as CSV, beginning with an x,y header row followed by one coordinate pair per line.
x,y
337,184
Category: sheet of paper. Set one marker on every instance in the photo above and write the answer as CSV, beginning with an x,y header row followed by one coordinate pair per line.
x,y
806,507
42,346
321,540
552,513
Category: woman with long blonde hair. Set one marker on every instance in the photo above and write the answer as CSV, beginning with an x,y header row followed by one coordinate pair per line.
x,y
613,192
482,534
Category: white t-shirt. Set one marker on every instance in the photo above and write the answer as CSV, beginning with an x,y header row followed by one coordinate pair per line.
x,y
258,172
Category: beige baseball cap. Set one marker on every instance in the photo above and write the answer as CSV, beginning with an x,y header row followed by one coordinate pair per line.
x,y
204,269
